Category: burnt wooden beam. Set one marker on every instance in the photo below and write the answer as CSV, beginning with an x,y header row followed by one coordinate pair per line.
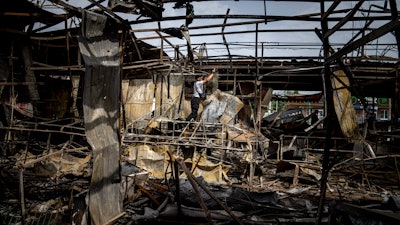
x,y
395,17
224,38
30,75
195,189
217,200
330,10
345,19
177,183
261,17
362,214
329,112
94,4
396,97
354,86
247,31
388,27
170,43
41,131
32,162
22,195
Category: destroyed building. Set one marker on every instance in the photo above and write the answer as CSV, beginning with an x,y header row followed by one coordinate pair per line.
x,y
95,95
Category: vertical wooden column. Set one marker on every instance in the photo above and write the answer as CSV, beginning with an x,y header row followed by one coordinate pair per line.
x,y
29,74
396,103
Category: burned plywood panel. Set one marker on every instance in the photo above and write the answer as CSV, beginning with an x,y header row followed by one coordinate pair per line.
x,y
138,95
343,106
101,95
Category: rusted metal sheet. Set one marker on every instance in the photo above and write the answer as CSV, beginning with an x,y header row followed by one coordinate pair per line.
x,y
101,115
169,96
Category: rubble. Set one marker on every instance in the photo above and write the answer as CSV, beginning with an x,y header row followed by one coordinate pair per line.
x,y
237,182
211,171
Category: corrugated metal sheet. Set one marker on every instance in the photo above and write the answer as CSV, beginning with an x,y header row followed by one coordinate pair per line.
x,y
169,96
101,115
138,96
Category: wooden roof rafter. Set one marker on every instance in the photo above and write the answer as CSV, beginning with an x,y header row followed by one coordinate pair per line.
x,y
170,43
386,28
342,22
268,18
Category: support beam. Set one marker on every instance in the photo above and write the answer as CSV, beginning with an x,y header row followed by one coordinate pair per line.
x,y
388,27
345,19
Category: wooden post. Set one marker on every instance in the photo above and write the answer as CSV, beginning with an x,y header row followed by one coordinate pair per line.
x,y
177,184
30,76
196,190
234,82
22,195
296,175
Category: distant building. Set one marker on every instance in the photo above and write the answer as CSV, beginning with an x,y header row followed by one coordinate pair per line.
x,y
377,109
380,107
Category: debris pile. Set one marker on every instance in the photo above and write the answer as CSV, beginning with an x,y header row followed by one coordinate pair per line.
x,y
196,172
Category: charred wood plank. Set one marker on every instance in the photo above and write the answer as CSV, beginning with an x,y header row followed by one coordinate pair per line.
x,y
388,27
191,177
363,215
196,190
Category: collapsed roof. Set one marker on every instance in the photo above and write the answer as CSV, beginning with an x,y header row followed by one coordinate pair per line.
x,y
282,49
